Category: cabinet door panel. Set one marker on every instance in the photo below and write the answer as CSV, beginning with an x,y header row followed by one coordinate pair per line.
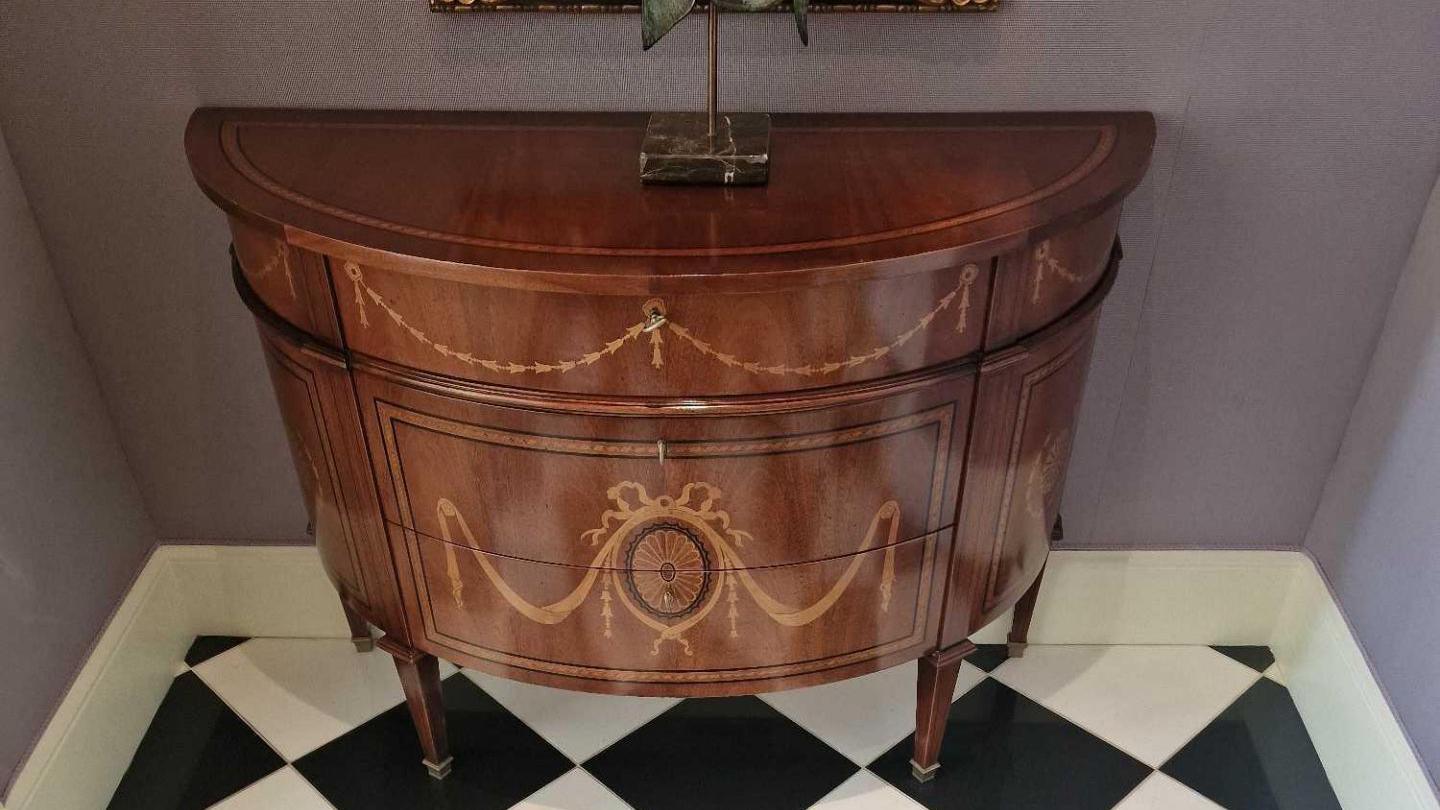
x,y
317,404
1025,413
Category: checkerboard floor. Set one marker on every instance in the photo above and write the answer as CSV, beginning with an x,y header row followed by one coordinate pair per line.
x,y
311,725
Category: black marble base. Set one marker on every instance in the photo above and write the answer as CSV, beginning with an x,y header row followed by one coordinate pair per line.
x,y
678,150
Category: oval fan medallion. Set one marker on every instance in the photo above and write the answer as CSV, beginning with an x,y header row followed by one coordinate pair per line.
x,y
669,570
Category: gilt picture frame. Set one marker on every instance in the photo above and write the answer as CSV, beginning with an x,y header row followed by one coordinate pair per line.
x,y
633,6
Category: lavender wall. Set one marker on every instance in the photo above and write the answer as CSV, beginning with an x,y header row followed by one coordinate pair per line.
x,y
1297,146
1377,531
72,529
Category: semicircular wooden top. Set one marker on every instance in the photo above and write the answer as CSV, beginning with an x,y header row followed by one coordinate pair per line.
x,y
554,199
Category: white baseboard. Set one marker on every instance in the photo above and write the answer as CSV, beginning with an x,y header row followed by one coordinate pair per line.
x,y
182,592
1089,597
1369,759
256,591
83,751
1158,597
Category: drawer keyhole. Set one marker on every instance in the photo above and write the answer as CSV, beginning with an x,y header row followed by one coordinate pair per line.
x,y
654,310
660,450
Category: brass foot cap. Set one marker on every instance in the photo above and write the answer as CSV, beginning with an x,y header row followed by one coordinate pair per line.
x,y
923,774
364,644
441,770
1017,650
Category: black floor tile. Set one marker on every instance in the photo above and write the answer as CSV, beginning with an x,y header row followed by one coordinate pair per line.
x,y
721,753
989,656
498,759
206,647
1003,751
1256,755
195,753
1257,658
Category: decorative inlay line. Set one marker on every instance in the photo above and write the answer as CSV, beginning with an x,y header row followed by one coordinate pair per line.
x,y
1045,262
1106,136
655,319
967,280
277,259
364,290
670,601
299,441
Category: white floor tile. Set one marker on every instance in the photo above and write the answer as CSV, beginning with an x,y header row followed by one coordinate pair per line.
x,y
1160,792
862,717
576,790
1145,700
580,724
1274,674
865,791
283,789
302,693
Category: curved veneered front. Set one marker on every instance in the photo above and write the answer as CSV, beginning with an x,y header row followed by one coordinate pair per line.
x,y
560,427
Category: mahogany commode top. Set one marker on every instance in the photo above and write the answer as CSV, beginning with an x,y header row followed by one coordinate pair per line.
x,y
568,429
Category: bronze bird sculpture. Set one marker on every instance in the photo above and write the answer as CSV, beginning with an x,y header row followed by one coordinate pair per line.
x,y
659,16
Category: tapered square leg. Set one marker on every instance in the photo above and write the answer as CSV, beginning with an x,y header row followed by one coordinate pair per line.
x,y
420,678
934,688
1019,637
359,629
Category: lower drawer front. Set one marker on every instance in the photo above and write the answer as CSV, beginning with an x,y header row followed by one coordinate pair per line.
x,y
681,624
788,488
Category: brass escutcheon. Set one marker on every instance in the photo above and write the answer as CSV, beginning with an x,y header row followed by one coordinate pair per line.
x,y
654,310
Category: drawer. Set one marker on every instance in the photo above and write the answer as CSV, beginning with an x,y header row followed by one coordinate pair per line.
x,y
723,625
782,487
707,344
1040,283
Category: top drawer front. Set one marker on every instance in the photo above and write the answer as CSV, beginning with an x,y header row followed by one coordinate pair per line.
x,y
1044,281
778,489
706,344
